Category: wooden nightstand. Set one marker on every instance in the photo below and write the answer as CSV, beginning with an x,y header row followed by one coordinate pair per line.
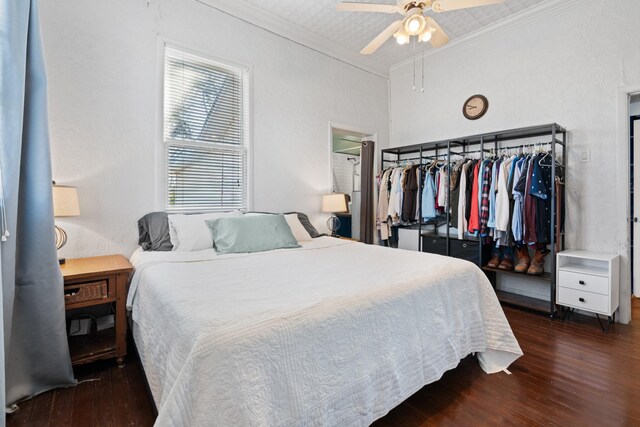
x,y
90,282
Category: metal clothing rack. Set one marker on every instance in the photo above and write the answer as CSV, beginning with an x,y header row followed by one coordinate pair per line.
x,y
486,143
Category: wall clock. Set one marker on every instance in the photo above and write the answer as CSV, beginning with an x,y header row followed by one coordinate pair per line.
x,y
475,107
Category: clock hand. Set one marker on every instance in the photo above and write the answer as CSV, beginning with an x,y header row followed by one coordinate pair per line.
x,y
469,107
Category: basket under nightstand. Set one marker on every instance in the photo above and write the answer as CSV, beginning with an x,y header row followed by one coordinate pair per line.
x,y
90,282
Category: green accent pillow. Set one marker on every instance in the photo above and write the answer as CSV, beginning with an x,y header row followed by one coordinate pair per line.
x,y
251,234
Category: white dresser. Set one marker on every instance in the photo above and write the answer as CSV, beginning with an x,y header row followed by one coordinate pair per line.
x,y
588,281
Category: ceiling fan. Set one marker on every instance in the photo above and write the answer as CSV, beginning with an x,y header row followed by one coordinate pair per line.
x,y
415,22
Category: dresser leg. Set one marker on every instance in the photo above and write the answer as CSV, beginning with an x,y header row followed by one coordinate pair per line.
x,y
601,325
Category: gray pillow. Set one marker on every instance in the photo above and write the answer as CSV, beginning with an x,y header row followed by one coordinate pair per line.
x,y
153,232
304,220
246,234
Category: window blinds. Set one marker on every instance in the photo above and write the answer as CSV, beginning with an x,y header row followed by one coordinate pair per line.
x,y
205,133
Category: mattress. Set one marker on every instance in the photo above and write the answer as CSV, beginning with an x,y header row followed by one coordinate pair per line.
x,y
332,333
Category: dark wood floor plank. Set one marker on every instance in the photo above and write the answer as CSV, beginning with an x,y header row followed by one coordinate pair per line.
x,y
122,398
83,396
22,416
141,401
62,407
41,412
103,409
571,374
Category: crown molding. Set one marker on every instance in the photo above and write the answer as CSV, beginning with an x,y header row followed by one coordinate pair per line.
x,y
534,14
283,28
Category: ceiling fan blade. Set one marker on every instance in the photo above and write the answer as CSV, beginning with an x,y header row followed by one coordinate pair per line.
x,y
381,38
368,7
447,5
438,37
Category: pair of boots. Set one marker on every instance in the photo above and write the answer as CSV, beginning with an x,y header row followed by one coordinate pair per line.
x,y
505,264
535,266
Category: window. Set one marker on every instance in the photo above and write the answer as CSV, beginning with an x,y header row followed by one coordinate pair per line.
x,y
205,133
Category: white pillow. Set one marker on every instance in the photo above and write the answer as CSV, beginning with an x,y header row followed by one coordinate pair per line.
x,y
299,232
191,233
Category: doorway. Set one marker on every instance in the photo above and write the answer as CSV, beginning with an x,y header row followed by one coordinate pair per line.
x,y
634,201
346,147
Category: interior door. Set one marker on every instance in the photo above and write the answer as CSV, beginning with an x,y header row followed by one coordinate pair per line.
x,y
636,207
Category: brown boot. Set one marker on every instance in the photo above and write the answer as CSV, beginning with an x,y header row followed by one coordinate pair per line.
x,y
506,264
493,263
537,263
523,260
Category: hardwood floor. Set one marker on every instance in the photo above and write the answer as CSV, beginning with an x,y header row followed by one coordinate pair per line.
x,y
571,374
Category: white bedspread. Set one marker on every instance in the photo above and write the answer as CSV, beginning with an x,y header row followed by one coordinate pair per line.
x,y
334,333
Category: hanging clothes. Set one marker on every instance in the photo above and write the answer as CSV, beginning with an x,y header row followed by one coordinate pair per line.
x,y
382,214
491,221
517,195
462,200
410,194
529,208
454,186
484,197
474,223
541,189
429,197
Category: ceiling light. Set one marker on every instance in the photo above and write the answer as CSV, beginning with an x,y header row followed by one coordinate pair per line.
x,y
426,35
401,36
415,22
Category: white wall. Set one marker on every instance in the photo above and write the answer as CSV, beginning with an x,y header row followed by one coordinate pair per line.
x,y
103,95
565,68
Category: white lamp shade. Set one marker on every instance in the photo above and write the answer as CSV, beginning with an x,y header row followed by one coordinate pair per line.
x,y
65,201
335,203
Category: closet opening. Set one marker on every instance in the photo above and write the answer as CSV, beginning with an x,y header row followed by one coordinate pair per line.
x,y
346,175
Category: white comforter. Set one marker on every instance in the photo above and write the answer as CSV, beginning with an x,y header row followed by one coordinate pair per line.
x,y
334,333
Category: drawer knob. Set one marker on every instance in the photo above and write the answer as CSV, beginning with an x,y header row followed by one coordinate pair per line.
x,y
581,299
581,282
464,245
434,242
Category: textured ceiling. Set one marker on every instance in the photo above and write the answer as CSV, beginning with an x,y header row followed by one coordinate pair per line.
x,y
353,30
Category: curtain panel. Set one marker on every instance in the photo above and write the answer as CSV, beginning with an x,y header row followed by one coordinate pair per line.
x,y
36,350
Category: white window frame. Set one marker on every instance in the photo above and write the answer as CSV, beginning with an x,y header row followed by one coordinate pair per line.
x,y
161,146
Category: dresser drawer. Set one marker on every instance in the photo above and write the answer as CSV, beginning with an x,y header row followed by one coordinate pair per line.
x,y
583,282
583,300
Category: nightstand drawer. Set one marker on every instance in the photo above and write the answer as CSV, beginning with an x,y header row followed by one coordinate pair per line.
x,y
583,282
583,300
85,292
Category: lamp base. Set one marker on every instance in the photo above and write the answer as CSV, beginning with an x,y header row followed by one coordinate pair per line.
x,y
333,224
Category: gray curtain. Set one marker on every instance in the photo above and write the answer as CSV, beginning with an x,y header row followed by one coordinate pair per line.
x,y
367,224
36,349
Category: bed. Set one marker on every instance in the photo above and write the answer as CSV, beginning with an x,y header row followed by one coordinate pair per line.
x,y
332,333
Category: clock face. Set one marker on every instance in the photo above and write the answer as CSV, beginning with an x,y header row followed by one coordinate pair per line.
x,y
475,107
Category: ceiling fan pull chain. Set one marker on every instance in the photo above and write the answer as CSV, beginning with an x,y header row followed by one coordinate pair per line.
x,y
414,73
422,68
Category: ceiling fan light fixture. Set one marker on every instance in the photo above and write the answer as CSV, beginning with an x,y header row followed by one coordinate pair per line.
x,y
401,36
426,35
415,23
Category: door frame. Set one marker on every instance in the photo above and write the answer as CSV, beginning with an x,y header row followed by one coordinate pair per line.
x,y
348,128
635,287
623,182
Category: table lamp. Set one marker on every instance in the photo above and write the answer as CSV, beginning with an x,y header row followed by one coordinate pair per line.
x,y
334,203
65,204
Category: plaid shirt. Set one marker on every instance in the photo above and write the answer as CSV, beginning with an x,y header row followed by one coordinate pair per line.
x,y
484,205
